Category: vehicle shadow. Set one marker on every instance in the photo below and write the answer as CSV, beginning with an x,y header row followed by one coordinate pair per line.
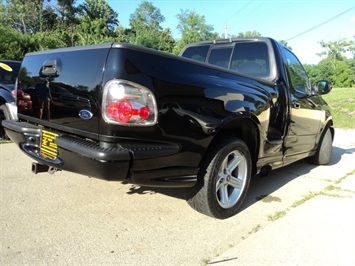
x,y
259,187
262,187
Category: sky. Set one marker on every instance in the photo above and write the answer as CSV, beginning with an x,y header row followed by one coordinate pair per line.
x,y
302,23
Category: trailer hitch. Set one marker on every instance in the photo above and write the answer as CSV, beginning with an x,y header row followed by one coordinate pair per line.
x,y
41,168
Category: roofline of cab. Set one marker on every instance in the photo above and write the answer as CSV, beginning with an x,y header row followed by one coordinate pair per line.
x,y
72,48
241,39
133,46
158,52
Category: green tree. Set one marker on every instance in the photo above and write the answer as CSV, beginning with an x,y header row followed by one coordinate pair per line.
x,y
344,74
37,23
11,44
193,28
50,19
352,47
22,15
336,67
146,29
146,16
14,44
97,22
247,34
66,15
166,41
92,10
123,35
67,11
335,50
44,41
284,43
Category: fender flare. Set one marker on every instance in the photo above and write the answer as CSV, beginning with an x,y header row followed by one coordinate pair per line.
x,y
250,132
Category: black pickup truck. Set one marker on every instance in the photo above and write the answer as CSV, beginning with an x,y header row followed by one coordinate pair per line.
x,y
208,120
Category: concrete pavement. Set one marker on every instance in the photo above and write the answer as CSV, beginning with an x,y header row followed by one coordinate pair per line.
x,y
318,229
301,214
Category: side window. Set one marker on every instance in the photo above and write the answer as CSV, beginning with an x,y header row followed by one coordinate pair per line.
x,y
198,53
251,58
220,56
298,77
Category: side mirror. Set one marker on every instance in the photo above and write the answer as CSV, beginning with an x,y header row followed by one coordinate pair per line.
x,y
323,87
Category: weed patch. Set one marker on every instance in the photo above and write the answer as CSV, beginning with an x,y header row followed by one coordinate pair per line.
x,y
276,216
342,104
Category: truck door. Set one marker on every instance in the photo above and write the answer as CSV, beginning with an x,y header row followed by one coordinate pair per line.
x,y
305,116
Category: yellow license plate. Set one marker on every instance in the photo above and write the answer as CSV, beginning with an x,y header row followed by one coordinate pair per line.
x,y
48,149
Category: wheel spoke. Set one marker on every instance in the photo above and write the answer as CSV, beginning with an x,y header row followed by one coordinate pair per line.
x,y
223,194
235,182
219,183
234,163
224,166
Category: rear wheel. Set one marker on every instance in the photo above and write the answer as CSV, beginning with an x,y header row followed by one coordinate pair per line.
x,y
223,180
324,151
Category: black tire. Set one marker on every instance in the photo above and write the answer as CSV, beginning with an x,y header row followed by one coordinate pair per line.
x,y
223,180
324,150
3,115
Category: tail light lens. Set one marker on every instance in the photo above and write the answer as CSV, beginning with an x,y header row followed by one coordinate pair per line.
x,y
128,104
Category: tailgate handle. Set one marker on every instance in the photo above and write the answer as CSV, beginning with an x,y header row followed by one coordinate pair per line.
x,y
49,69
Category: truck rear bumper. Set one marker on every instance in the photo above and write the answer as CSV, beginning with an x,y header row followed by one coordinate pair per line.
x,y
73,154
114,163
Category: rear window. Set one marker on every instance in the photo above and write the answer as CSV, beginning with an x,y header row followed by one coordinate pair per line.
x,y
251,59
198,53
220,56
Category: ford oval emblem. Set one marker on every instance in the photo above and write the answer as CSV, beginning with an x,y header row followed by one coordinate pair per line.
x,y
85,114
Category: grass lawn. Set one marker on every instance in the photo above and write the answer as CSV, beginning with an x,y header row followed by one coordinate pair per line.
x,y
342,104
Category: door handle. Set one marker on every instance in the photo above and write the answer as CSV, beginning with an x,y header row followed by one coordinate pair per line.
x,y
49,69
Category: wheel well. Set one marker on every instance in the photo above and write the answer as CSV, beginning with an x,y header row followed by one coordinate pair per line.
x,y
247,131
330,126
2,101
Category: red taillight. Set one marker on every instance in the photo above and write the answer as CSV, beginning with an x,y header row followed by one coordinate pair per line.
x,y
128,104
20,94
122,111
144,112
